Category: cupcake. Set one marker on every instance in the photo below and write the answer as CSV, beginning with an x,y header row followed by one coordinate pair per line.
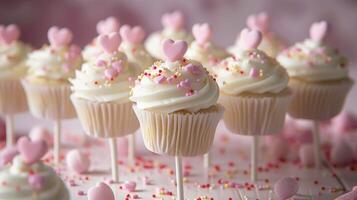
x,y
46,83
101,91
133,47
106,26
176,104
26,176
319,76
253,89
173,24
203,50
271,43
13,54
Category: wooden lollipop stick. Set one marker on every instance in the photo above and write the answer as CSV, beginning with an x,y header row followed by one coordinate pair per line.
x,y
179,187
254,158
316,136
206,161
9,120
113,156
57,142
131,146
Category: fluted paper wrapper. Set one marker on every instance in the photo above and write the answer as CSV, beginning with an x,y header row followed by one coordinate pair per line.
x,y
179,133
255,114
318,101
106,119
49,101
12,97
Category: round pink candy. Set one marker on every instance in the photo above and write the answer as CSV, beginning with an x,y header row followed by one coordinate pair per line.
x,y
41,133
306,155
286,188
77,161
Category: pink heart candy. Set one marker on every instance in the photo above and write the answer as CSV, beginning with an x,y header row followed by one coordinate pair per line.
x,y
59,37
36,181
130,186
109,43
174,50
9,34
108,25
110,73
286,188
7,155
249,39
133,35
318,31
259,22
100,192
174,20
41,133
77,161
118,66
31,151
202,33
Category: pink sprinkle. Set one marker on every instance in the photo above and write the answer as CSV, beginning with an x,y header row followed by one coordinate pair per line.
x,y
254,73
160,79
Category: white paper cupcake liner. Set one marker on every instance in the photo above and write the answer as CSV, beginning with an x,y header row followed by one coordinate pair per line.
x,y
12,97
318,101
179,133
49,101
254,114
105,119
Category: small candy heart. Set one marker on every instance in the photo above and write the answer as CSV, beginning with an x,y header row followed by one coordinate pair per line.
x,y
9,34
249,39
108,25
118,66
341,153
174,20
202,33
318,31
174,50
31,151
100,192
7,155
259,22
129,186
306,155
110,73
36,181
286,188
41,133
59,37
109,43
134,35
77,161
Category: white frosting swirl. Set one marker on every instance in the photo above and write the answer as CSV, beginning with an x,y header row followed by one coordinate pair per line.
x,y
54,64
251,71
154,42
313,61
209,55
91,51
12,59
137,55
168,87
91,82
15,184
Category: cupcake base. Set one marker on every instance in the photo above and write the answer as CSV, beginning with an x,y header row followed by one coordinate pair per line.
x,y
180,133
255,114
105,119
12,98
318,101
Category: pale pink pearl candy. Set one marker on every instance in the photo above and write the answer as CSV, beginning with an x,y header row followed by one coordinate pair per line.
x,y
306,155
285,188
77,161
41,133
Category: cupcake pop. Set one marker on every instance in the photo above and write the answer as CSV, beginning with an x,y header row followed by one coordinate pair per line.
x,y
46,84
176,104
271,43
253,91
173,24
13,55
101,91
319,80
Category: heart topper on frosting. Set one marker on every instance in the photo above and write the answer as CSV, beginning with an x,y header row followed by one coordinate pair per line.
x,y
202,33
174,50
31,151
259,22
59,37
108,25
9,34
133,35
249,39
318,31
109,43
174,20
